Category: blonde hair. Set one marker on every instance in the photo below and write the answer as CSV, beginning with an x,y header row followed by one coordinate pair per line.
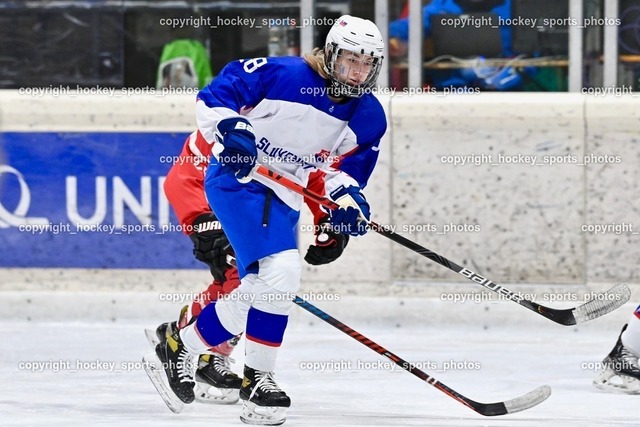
x,y
315,59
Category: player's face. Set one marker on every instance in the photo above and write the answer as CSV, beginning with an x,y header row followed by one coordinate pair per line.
x,y
353,68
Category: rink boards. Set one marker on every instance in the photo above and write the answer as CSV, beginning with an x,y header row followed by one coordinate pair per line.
x,y
89,200
523,188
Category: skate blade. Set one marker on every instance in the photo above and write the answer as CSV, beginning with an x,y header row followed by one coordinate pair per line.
x,y
610,381
262,415
217,396
152,338
152,366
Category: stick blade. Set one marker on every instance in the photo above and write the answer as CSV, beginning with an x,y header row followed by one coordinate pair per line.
x,y
604,303
529,400
512,406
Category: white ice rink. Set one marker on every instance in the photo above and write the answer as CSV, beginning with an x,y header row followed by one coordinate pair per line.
x,y
503,360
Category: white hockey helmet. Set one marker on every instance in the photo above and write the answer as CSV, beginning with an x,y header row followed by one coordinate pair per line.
x,y
362,38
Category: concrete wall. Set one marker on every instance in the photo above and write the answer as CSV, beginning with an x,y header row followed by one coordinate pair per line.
x,y
613,190
513,221
534,220
510,216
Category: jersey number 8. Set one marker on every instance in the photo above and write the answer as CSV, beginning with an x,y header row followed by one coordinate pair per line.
x,y
253,64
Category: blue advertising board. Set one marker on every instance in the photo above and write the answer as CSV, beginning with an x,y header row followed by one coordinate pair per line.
x,y
89,200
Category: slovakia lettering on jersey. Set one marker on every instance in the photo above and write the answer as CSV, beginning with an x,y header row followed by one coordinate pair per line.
x,y
280,153
293,123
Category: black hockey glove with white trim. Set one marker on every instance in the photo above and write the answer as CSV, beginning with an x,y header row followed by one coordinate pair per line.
x,y
210,244
329,245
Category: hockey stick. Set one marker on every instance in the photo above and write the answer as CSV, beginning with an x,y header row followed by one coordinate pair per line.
x,y
518,404
599,306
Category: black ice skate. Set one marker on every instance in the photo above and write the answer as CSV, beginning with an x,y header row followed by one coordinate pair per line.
x,y
215,381
170,367
620,372
161,331
178,364
160,334
264,402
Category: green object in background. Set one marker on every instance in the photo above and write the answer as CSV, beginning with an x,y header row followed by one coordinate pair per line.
x,y
551,79
184,63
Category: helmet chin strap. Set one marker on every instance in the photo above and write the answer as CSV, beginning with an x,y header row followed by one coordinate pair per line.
x,y
334,89
340,90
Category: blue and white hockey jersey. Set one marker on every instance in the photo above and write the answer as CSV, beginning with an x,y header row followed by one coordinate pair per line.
x,y
297,126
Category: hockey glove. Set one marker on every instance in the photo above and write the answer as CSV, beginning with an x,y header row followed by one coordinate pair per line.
x,y
329,245
353,215
210,245
239,153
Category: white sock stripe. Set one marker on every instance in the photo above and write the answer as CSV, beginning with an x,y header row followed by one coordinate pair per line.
x,y
192,340
232,309
260,357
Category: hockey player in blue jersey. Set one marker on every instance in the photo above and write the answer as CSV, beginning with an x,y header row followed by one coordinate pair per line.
x,y
294,115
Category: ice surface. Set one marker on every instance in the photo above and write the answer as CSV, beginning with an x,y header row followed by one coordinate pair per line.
x,y
361,389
